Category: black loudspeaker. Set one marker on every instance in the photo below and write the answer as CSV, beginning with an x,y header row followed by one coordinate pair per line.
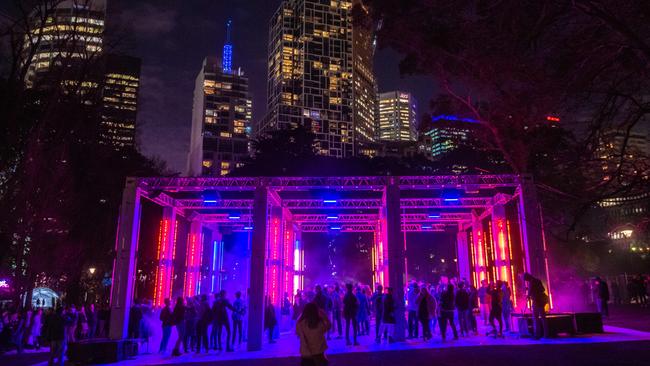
x,y
589,322
101,351
560,323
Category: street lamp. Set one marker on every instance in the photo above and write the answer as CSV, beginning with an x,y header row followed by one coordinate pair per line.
x,y
91,270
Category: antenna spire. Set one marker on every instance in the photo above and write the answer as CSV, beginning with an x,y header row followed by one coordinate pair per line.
x,y
226,60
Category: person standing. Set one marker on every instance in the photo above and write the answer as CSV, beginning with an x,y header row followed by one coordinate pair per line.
x,y
426,310
350,311
362,314
35,329
603,297
92,316
506,305
388,320
191,318
203,315
462,309
70,324
378,306
54,333
337,309
473,309
166,320
539,299
412,295
270,320
178,319
447,312
311,328
484,300
238,313
220,320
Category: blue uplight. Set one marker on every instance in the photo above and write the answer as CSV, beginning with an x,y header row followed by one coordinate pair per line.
x,y
426,226
329,201
451,199
209,201
234,217
335,228
248,228
332,217
434,216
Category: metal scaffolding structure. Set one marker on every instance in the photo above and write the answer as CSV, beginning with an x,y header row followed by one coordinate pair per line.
x,y
495,219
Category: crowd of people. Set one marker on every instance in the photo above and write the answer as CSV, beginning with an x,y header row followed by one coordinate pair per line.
x,y
30,329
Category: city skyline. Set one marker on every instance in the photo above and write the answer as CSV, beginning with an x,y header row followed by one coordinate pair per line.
x,y
169,71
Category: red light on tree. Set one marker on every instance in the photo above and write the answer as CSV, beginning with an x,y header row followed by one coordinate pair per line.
x,y
553,118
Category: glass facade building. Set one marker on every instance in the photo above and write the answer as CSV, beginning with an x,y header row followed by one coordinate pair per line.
x,y
221,117
397,116
448,133
120,100
315,60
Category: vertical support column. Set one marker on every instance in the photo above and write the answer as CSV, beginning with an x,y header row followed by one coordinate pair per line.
x,y
462,253
288,246
396,254
192,283
165,256
126,244
480,260
501,243
533,232
257,264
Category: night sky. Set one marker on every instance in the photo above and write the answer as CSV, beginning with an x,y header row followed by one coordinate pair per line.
x,y
173,37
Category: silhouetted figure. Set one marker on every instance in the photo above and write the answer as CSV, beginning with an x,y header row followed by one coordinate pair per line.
x,y
378,307
238,313
447,312
350,310
220,321
496,309
426,305
388,321
178,320
603,297
311,328
204,316
270,320
539,299
166,319
54,333
462,309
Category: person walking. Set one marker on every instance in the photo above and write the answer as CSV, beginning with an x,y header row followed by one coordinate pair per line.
x,y
92,316
538,297
462,309
350,312
496,309
447,312
54,333
412,295
238,313
178,319
311,328
426,310
166,320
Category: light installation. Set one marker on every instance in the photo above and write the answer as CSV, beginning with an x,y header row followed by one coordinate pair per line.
x,y
192,281
165,250
226,61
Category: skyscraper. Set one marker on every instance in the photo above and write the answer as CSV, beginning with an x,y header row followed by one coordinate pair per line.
x,y
69,36
447,133
119,105
313,67
221,116
397,116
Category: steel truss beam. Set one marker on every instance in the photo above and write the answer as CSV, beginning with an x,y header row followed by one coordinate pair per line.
x,y
418,227
176,184
223,218
223,203
322,218
361,203
463,202
444,217
321,228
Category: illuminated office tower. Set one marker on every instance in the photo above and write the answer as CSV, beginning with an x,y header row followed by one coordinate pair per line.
x,y
119,106
221,117
71,36
312,63
397,116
